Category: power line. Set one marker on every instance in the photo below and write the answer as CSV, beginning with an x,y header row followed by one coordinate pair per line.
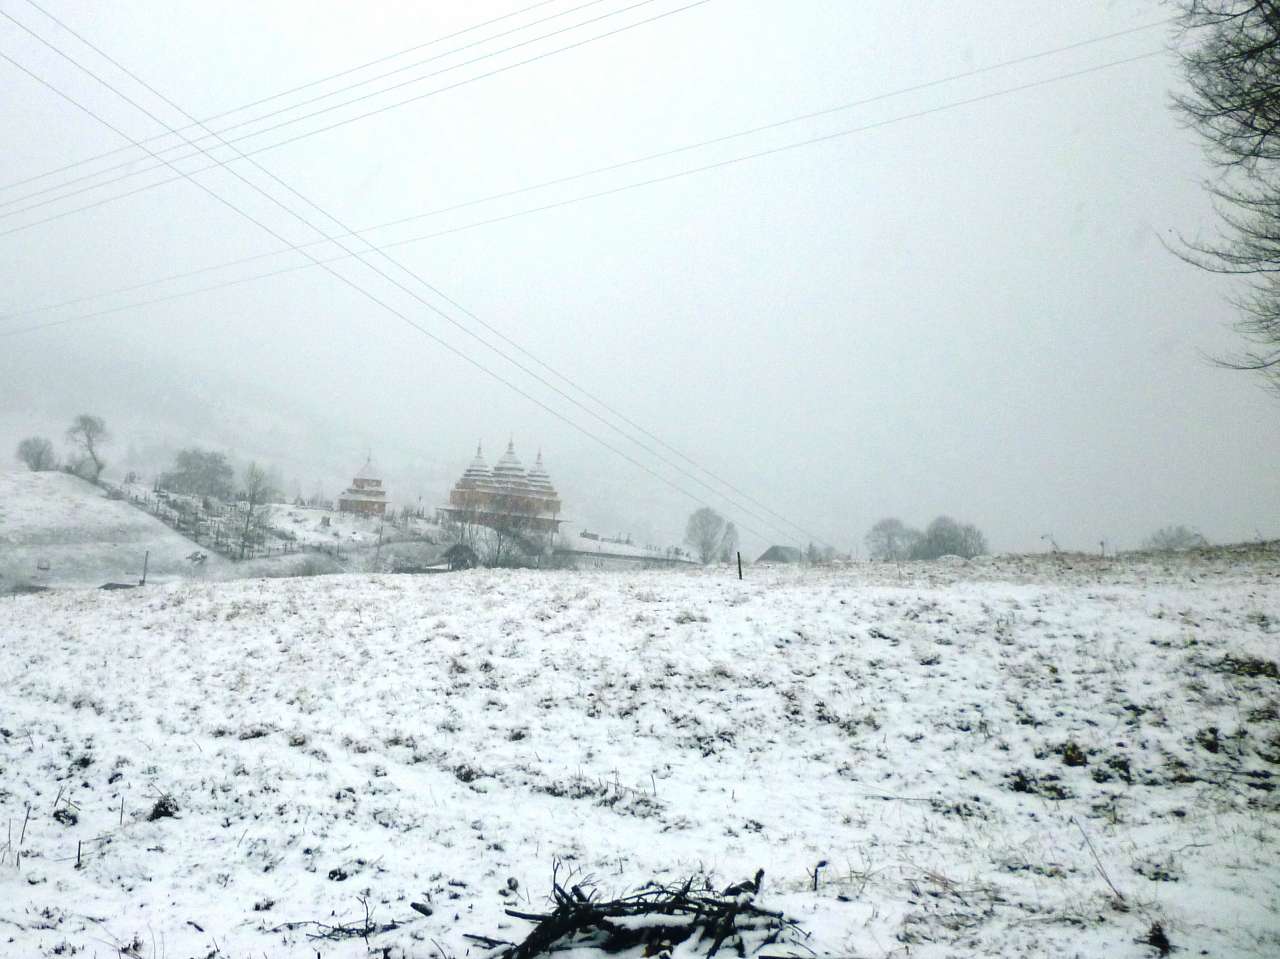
x,y
186,141
360,289
773,151
773,125
559,181
309,133
742,158
275,96
285,93
216,163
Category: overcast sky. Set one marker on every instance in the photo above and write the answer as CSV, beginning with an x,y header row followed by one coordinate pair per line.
x,y
961,309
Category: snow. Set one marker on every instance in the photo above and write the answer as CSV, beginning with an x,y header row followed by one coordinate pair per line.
x,y
306,525
572,539
400,739
61,522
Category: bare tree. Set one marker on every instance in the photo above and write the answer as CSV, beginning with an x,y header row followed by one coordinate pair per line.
x,y
200,473
317,498
37,453
728,543
946,537
255,497
972,541
891,539
703,534
504,530
1172,538
496,545
1232,69
817,555
88,433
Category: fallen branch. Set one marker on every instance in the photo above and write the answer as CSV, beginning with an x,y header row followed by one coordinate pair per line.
x,y
657,918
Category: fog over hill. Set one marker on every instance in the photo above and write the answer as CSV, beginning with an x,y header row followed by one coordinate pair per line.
x,y
156,405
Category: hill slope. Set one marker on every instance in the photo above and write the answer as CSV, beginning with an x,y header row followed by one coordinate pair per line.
x,y
64,523
979,753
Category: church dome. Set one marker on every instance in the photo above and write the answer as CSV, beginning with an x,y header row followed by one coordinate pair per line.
x,y
478,473
508,472
539,481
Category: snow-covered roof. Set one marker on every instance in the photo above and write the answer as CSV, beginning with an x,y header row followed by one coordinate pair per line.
x,y
572,540
506,478
479,469
363,495
781,554
538,479
508,471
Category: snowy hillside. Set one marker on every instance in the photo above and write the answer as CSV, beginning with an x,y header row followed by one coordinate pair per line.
x,y
322,527
1023,757
59,530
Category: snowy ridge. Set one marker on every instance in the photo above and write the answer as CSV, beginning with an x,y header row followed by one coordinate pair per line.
x,y
945,738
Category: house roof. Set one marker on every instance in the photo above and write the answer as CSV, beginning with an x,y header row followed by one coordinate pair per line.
x,y
362,496
368,471
781,554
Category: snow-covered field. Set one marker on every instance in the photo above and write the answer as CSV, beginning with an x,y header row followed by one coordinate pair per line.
x,y
308,526
1007,758
58,530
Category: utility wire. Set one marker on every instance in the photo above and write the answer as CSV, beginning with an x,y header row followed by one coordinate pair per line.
x,y
695,497
774,125
341,226
413,99
773,151
663,154
187,141
604,169
912,89
510,216
285,93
